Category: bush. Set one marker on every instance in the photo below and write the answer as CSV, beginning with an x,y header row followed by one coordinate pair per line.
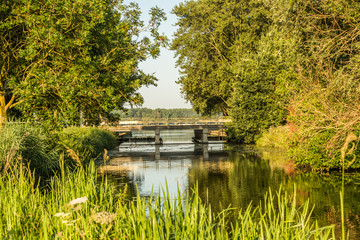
x,y
277,137
314,153
85,144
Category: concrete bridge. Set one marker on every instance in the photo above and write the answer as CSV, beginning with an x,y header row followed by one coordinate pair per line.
x,y
201,131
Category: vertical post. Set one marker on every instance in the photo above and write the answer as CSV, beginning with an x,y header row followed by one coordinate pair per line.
x,y
205,135
205,152
157,152
157,136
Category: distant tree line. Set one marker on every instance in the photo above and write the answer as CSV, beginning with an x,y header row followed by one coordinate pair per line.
x,y
159,113
274,63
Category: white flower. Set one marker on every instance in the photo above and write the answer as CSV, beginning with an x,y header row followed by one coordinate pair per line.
x,y
61,214
78,200
103,217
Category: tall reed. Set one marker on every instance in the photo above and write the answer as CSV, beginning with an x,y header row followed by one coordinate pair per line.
x,y
79,206
23,143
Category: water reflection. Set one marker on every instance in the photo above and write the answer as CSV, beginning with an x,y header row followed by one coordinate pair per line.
x,y
223,177
232,176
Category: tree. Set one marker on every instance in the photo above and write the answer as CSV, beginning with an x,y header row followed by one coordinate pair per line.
x,y
325,106
11,40
261,91
79,56
231,57
205,46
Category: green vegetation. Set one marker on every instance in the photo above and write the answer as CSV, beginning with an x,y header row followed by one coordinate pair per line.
x,y
275,63
283,69
77,206
276,137
85,144
63,60
28,145
159,113
24,144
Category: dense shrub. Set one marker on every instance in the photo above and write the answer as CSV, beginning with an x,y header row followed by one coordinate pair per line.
x,y
85,143
278,137
315,153
42,151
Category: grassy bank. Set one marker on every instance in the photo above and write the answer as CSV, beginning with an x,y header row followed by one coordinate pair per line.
x,y
317,152
77,206
25,144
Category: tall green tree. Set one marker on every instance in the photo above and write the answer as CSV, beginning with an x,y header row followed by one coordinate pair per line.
x,y
205,46
266,72
11,41
231,54
79,56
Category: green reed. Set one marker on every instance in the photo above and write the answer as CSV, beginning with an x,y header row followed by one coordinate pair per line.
x,y
76,205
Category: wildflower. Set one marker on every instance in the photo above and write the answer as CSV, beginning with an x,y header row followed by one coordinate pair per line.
x,y
62,214
103,217
78,200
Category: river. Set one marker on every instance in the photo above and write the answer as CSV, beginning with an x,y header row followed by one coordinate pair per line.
x,y
230,175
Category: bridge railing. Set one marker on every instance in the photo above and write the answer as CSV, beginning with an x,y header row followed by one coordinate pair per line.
x,y
170,123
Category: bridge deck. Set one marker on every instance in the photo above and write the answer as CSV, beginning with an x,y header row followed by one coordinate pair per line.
x,y
168,127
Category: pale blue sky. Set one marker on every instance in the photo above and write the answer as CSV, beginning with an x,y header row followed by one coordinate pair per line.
x,y
167,93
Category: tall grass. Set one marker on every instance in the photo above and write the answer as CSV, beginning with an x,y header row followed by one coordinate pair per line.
x,y
78,206
26,144
30,145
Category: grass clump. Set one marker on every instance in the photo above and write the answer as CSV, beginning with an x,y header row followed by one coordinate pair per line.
x,y
26,144
78,206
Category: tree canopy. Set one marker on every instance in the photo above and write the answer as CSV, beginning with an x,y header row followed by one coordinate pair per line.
x,y
159,113
227,62
63,58
281,62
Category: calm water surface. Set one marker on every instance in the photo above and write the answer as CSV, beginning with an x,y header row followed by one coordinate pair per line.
x,y
230,175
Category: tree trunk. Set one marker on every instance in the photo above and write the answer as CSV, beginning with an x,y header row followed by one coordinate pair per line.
x,y
2,110
4,107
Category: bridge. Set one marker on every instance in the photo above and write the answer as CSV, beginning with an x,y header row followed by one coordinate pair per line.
x,y
168,127
203,131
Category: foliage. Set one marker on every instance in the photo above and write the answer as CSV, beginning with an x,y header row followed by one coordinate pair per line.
x,y
27,145
84,144
205,46
246,51
65,58
274,63
325,108
260,92
276,137
74,208
159,113
24,144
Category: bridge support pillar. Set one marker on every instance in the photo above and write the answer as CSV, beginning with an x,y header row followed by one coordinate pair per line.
x,y
157,152
205,133
205,152
157,136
